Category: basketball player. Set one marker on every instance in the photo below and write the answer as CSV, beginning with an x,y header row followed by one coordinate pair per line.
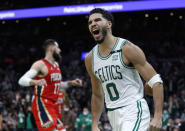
x,y
114,65
45,75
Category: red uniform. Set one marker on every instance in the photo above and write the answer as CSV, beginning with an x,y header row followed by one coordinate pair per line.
x,y
45,97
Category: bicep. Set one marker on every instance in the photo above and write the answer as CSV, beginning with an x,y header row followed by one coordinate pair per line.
x,y
137,57
39,67
36,66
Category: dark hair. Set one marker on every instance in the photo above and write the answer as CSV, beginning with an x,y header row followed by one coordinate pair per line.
x,y
48,43
107,15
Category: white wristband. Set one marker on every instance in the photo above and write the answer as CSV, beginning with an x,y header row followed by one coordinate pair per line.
x,y
64,84
156,78
27,77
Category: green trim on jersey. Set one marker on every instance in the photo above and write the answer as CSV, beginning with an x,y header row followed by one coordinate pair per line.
x,y
139,114
106,57
112,109
121,58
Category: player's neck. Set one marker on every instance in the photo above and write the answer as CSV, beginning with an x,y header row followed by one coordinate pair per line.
x,y
108,43
50,59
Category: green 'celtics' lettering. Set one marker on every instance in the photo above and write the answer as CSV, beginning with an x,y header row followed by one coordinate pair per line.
x,y
108,73
99,74
117,71
103,75
114,77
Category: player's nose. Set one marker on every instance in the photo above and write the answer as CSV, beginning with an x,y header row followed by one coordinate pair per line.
x,y
93,24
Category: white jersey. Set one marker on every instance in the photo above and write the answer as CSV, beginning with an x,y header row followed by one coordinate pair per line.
x,y
122,84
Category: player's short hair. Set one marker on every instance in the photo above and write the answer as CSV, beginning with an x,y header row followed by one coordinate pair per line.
x,y
48,43
107,15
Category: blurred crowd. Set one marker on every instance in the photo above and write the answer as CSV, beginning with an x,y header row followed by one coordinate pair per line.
x,y
20,47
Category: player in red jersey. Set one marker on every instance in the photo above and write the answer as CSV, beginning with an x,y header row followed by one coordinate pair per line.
x,y
45,75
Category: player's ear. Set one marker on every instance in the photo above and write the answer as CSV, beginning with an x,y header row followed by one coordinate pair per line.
x,y
51,48
109,25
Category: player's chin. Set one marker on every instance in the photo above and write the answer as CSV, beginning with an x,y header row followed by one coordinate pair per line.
x,y
99,39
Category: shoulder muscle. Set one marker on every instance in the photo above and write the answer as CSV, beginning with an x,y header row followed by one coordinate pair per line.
x,y
38,65
134,54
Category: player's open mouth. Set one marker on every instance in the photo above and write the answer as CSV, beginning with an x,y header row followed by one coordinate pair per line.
x,y
96,32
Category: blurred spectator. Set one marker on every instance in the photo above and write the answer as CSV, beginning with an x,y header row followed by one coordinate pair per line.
x,y
174,107
170,125
68,118
84,121
165,117
28,120
177,124
183,115
21,120
10,121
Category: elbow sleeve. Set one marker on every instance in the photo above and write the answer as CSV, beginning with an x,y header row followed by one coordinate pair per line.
x,y
27,77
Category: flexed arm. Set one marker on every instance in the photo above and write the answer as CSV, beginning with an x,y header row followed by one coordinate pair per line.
x,y
133,54
66,84
27,78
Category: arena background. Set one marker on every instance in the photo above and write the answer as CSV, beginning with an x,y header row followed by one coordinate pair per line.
x,y
160,33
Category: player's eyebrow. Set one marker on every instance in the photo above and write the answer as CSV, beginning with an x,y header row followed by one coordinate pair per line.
x,y
89,22
97,19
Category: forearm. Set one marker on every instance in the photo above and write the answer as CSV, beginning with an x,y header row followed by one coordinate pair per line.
x,y
97,104
158,99
65,84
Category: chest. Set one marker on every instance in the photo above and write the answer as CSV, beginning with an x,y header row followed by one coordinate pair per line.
x,y
50,73
107,70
